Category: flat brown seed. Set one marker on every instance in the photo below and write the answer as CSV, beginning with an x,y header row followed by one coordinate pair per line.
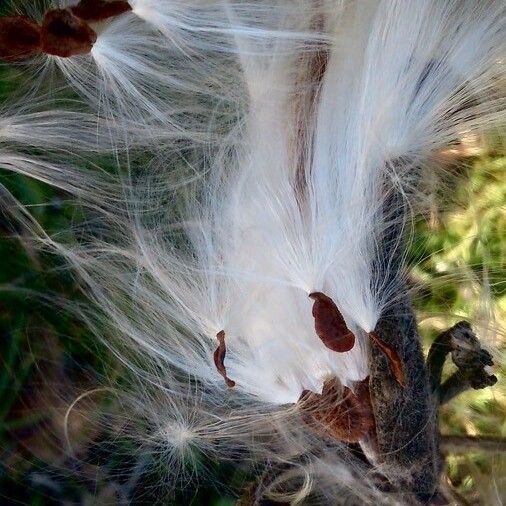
x,y
219,358
98,10
339,412
393,358
64,34
329,324
19,38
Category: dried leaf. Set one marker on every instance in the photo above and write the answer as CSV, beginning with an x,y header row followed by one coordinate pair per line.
x,y
330,325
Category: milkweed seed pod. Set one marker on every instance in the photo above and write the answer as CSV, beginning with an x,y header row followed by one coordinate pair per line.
x,y
248,264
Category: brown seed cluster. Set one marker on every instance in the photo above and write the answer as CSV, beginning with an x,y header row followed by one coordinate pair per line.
x,y
63,33
331,328
339,412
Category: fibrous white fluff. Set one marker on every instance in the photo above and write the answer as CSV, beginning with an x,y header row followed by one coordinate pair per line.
x,y
275,133
166,63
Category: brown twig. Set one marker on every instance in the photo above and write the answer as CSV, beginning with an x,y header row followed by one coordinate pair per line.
x,y
452,493
462,444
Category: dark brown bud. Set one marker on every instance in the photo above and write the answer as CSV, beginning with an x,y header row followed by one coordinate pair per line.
x,y
219,358
64,34
339,412
393,358
329,324
98,10
19,38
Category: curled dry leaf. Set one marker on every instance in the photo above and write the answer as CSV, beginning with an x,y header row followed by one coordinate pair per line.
x,y
338,411
219,358
98,10
330,325
64,34
19,38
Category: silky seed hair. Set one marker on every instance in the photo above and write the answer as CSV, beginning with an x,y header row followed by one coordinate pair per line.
x,y
234,255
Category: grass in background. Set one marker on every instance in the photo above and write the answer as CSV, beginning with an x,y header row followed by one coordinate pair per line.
x,y
460,275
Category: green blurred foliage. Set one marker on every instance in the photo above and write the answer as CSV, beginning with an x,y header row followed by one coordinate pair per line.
x,y
47,359
459,270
